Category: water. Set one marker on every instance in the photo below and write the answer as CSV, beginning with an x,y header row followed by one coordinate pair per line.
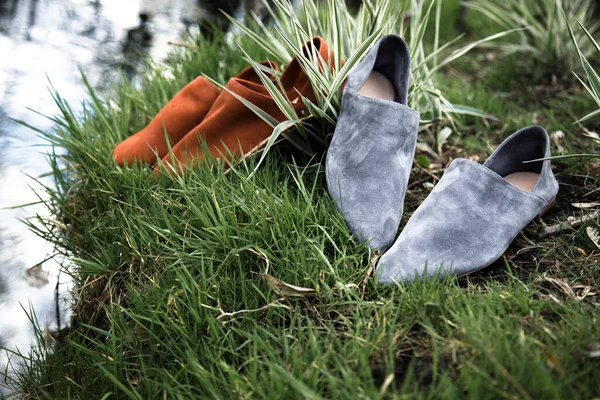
x,y
52,39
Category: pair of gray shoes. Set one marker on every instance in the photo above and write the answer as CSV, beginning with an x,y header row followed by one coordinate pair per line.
x,y
472,214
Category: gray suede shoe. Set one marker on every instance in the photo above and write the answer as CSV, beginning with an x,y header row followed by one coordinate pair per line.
x,y
371,153
475,211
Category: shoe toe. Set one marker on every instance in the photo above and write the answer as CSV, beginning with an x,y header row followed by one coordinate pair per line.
x,y
415,257
372,214
378,232
120,154
396,266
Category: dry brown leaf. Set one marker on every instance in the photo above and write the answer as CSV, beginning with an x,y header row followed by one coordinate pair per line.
x,y
577,292
594,235
584,291
585,205
553,298
551,359
287,290
560,284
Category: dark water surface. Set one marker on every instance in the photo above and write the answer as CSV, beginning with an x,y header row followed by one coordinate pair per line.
x,y
52,39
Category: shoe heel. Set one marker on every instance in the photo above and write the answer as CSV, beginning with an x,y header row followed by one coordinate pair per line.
x,y
548,207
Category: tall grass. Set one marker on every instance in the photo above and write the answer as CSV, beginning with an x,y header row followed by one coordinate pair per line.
x,y
351,36
593,80
175,296
544,36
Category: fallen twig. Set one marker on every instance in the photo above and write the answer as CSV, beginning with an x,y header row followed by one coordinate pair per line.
x,y
230,315
285,289
437,178
547,231
182,44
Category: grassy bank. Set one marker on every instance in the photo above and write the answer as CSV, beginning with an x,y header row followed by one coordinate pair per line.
x,y
179,280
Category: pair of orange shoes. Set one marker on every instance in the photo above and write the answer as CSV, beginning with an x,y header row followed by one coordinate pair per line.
x,y
201,112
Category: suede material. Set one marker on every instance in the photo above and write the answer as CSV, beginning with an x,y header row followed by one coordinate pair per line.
x,y
390,57
182,113
230,130
547,186
368,165
526,144
371,153
471,216
233,130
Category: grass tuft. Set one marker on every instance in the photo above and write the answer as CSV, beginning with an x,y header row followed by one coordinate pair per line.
x,y
544,32
174,291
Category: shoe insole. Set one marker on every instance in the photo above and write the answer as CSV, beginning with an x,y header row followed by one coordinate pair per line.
x,y
523,180
378,86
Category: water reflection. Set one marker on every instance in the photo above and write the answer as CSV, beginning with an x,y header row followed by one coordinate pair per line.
x,y
52,39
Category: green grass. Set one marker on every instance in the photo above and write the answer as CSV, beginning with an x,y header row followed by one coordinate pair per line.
x,y
172,300
542,40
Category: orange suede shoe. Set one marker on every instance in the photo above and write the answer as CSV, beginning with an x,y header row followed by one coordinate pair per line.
x,y
181,114
231,128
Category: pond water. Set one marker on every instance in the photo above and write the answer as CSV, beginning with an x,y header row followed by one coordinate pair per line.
x,y
49,40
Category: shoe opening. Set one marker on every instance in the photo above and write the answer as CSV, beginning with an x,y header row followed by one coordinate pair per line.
x,y
393,62
528,144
